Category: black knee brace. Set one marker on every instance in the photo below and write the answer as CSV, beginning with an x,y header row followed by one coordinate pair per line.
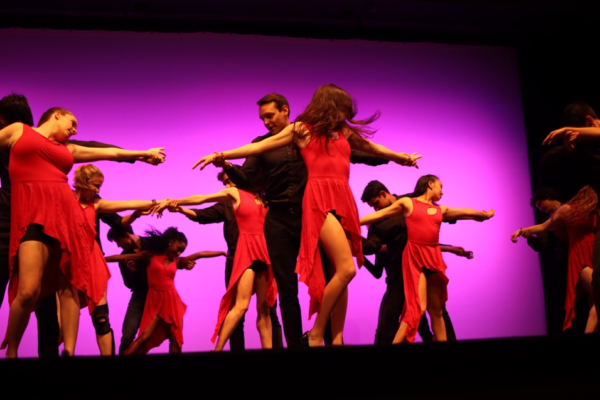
x,y
100,320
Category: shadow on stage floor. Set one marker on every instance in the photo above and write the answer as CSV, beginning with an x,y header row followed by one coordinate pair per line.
x,y
531,368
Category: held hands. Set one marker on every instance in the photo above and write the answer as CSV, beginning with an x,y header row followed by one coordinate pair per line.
x,y
484,215
220,162
154,156
159,207
408,160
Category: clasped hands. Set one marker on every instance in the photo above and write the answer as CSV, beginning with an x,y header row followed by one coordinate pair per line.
x,y
568,135
155,156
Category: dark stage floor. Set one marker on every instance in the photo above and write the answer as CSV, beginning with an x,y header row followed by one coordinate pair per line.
x,y
529,368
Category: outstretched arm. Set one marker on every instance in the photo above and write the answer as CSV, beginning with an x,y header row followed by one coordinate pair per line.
x,y
532,230
400,206
226,195
582,133
107,206
466,213
359,143
136,257
459,251
189,261
283,138
89,154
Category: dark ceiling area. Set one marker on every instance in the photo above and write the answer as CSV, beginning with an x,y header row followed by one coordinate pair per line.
x,y
445,21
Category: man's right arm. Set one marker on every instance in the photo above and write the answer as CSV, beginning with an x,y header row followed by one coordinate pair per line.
x,y
246,174
371,245
211,215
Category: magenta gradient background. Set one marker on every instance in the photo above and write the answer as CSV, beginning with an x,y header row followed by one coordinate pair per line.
x,y
459,106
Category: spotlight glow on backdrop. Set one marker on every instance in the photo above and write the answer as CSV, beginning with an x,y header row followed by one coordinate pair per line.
x,y
459,106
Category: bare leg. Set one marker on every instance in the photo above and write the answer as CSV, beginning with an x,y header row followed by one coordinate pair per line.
x,y
136,346
338,319
33,257
334,242
69,312
105,342
242,301
435,303
585,279
401,334
263,318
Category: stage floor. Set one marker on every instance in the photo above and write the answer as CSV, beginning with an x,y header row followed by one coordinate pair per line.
x,y
528,368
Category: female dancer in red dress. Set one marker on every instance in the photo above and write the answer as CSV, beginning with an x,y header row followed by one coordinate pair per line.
x,y
325,132
87,184
251,271
579,217
49,232
423,268
163,313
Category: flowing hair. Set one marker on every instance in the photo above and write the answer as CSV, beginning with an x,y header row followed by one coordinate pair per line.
x,y
158,242
83,174
422,186
332,109
582,206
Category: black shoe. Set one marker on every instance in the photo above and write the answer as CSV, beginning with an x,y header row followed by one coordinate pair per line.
x,y
65,353
304,340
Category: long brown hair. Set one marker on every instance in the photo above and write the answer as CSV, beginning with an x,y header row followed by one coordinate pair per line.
x,y
331,109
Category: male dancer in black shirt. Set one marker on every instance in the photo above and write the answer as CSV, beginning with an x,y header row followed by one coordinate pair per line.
x,y
392,234
135,278
285,177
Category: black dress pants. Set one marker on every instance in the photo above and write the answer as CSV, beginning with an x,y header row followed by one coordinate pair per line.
x,y
283,226
596,273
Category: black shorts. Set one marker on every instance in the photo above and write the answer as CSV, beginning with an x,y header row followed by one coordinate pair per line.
x,y
427,271
35,233
258,267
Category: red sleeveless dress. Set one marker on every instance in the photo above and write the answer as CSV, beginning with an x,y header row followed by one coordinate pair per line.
x,y
164,301
99,272
251,246
581,246
422,251
41,195
327,190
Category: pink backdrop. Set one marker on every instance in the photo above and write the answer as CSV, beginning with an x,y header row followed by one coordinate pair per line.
x,y
459,106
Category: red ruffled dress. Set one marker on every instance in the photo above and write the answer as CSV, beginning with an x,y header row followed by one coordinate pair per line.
x,y
581,246
422,251
251,246
41,195
327,190
99,272
164,301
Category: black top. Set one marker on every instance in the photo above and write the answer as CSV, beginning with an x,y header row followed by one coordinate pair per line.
x,y
137,280
284,172
221,212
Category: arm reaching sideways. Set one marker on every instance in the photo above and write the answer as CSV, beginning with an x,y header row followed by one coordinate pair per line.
x,y
283,138
190,261
226,195
88,154
466,213
401,206
532,230
136,257
459,251
359,143
583,133
108,206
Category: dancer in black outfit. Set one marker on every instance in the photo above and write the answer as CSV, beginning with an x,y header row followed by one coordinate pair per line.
x,y
392,234
284,174
223,212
